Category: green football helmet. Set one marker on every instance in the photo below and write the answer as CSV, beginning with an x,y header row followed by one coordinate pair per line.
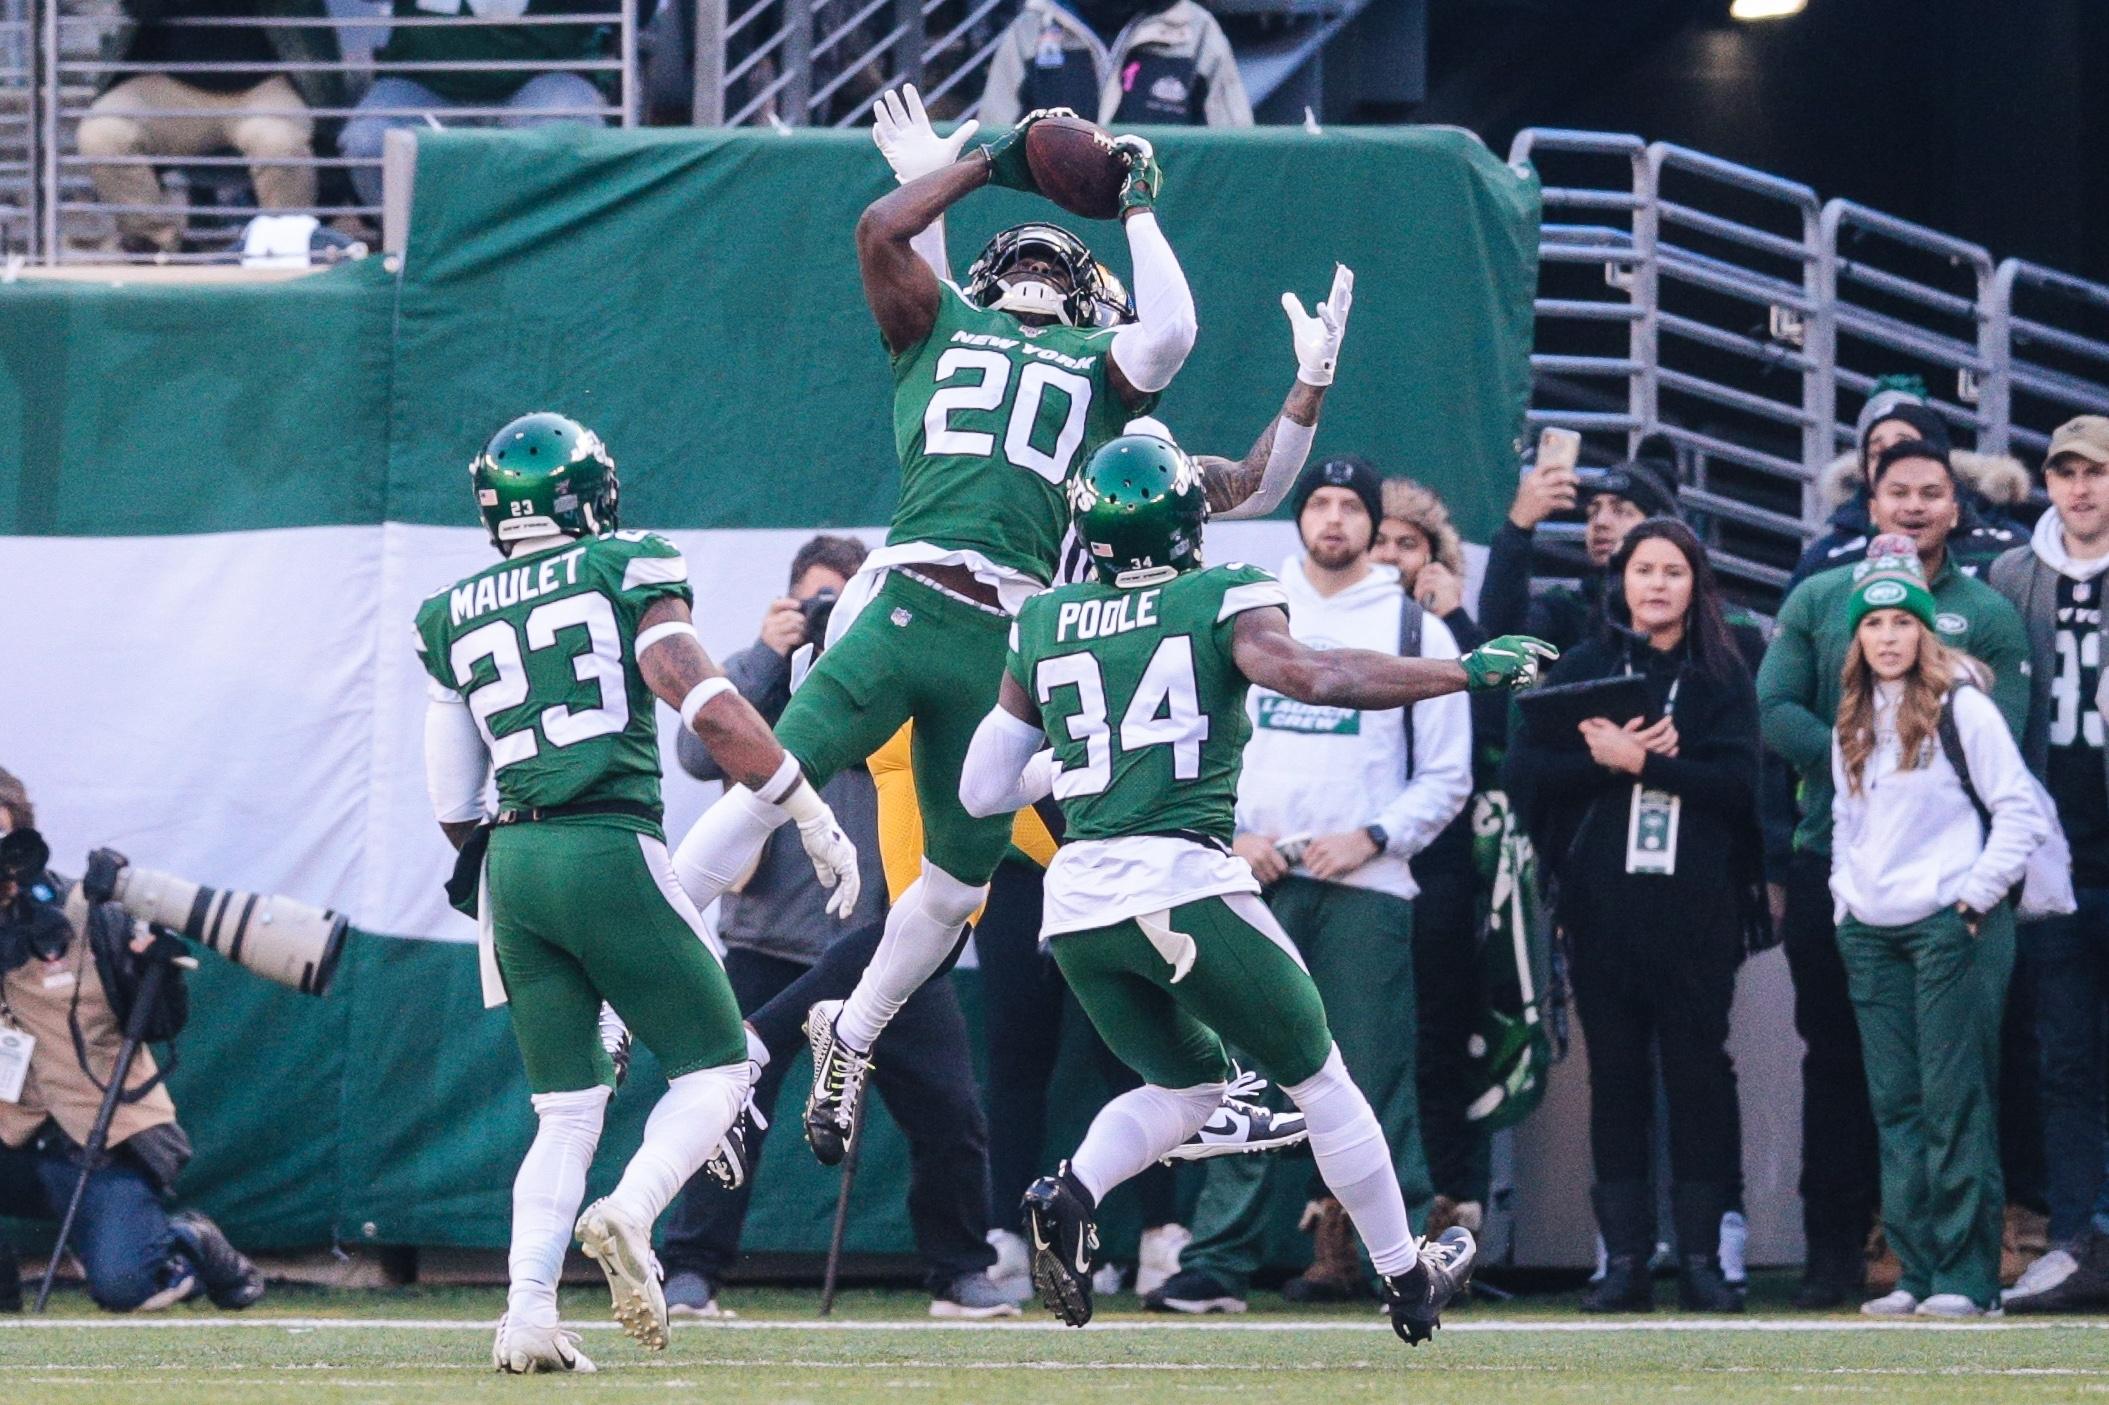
x,y
544,473
1138,506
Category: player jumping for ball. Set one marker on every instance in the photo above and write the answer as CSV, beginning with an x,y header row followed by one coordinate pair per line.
x,y
1139,679
1000,389
546,666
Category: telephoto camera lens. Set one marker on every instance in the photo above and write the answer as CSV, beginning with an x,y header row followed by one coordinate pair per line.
x,y
277,938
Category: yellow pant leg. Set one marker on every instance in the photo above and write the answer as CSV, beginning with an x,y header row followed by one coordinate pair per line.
x,y
901,823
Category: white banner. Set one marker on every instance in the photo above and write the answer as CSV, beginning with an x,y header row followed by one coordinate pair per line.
x,y
246,709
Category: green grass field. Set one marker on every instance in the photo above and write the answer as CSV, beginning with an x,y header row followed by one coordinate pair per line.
x,y
308,1347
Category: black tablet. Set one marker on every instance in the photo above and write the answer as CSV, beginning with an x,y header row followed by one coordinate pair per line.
x,y
1555,712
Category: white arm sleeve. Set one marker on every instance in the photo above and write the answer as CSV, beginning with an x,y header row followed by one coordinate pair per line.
x,y
1151,349
1285,460
1006,768
929,246
1442,759
456,764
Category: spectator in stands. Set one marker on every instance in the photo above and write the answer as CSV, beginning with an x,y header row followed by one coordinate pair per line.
x,y
263,116
1898,409
1926,931
1988,484
1120,62
1914,495
775,928
1615,500
1333,807
1416,538
513,97
2056,583
1655,933
138,1257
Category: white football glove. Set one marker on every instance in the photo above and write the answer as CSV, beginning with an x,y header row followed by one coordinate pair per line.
x,y
1318,338
907,140
834,860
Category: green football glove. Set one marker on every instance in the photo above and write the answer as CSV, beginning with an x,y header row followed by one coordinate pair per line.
x,y
1006,152
1145,176
1512,661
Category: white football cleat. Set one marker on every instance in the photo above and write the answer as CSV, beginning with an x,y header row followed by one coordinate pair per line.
x,y
526,1350
623,1249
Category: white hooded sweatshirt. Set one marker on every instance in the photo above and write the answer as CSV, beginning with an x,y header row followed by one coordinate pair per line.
x,y
1910,843
1313,770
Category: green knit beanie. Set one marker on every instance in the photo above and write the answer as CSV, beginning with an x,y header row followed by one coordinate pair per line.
x,y
1892,581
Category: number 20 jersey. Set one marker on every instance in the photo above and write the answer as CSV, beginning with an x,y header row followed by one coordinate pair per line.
x,y
544,650
990,418
1142,700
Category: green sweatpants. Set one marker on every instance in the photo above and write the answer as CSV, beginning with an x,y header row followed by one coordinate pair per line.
x,y
579,916
1359,948
1929,998
913,652
1242,986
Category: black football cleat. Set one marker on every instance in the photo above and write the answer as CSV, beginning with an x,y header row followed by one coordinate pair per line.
x,y
1062,1236
733,1161
1240,1125
837,1096
1418,1296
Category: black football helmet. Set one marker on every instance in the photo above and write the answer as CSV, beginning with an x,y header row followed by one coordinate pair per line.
x,y
989,282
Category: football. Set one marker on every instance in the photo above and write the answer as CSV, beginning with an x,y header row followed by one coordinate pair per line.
x,y
1075,165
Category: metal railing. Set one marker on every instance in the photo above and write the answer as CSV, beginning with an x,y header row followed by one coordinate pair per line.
x,y
54,70
18,128
800,63
1729,312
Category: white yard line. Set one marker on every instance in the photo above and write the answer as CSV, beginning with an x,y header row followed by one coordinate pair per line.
x,y
1509,1326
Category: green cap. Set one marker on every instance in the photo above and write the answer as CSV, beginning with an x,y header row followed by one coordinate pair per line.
x,y
1891,582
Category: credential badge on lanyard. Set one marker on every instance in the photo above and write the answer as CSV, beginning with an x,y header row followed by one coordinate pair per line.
x,y
1651,820
16,1046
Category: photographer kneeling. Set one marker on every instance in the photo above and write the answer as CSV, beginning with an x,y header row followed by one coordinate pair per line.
x,y
59,1040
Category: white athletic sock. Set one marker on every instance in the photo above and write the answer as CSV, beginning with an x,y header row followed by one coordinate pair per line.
x,y
684,1129
757,1052
921,931
1136,1129
1348,1144
724,843
546,1196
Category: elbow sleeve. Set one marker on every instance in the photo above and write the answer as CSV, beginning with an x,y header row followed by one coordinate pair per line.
x,y
456,764
1005,769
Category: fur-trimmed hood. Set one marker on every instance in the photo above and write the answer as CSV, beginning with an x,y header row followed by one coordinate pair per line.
x,y
1997,478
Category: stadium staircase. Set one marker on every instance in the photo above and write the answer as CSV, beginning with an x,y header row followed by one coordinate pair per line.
x,y
1744,320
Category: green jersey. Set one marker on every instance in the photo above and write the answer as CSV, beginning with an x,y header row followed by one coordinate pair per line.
x,y
1142,700
989,419
544,651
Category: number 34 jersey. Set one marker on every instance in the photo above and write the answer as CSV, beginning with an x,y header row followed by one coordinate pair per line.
x,y
544,650
989,419
1142,700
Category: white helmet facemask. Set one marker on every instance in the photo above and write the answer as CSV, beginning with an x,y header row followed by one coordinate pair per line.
x,y
1031,296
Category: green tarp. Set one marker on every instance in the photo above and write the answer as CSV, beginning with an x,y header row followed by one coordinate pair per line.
x,y
694,296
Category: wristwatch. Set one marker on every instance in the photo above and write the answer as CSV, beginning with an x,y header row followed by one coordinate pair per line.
x,y
1377,836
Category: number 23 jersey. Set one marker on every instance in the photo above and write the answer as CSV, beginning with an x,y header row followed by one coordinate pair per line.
x,y
990,417
544,650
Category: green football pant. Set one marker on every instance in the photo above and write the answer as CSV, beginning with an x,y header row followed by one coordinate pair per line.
x,y
913,652
1243,985
1929,998
584,912
1358,945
